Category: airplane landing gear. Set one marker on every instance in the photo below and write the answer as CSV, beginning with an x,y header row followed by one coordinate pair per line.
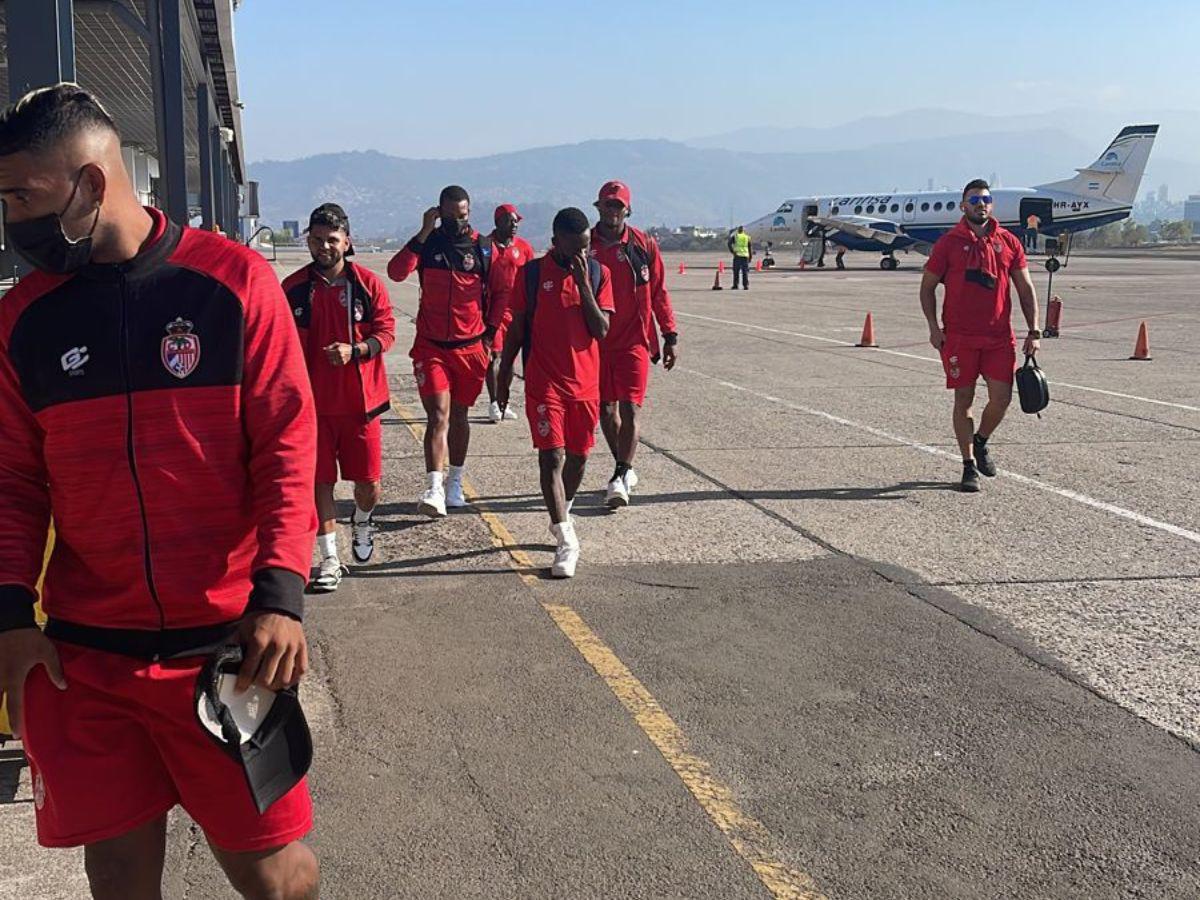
x,y
889,263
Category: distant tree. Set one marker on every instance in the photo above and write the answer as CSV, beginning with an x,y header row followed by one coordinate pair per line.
x,y
1133,233
283,237
1180,232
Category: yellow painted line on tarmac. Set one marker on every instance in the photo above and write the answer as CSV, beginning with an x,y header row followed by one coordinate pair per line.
x,y
748,836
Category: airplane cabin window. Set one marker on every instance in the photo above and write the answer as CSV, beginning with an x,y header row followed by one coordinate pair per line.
x,y
834,210
870,209
908,207
924,207
895,207
937,206
857,210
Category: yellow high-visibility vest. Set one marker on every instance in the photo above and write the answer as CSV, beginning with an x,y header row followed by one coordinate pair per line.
x,y
741,244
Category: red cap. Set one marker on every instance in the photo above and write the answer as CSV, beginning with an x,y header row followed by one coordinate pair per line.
x,y
505,209
615,190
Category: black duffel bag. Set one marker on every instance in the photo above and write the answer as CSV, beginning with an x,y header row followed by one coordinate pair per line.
x,y
1032,387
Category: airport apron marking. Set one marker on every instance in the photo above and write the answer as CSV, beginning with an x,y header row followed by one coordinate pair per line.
x,y
840,343
748,837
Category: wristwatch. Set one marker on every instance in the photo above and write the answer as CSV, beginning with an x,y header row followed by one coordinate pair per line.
x,y
1035,333
670,338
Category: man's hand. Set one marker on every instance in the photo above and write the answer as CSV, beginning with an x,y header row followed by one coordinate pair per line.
x,y
937,338
275,654
339,354
670,355
579,268
429,222
1032,345
21,650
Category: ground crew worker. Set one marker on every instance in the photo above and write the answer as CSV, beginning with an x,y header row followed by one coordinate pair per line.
x,y
346,326
742,249
561,306
974,262
632,344
509,253
451,351
154,402
839,258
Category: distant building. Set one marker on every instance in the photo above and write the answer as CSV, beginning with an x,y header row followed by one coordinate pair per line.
x,y
1162,194
292,225
695,231
1191,211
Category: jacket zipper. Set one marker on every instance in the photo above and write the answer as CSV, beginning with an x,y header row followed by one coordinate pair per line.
x,y
129,452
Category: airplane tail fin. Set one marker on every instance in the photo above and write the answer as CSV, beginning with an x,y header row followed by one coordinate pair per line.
x,y
1117,174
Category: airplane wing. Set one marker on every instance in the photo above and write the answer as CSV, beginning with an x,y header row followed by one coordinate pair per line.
x,y
861,227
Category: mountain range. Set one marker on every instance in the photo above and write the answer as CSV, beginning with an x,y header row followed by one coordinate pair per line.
x,y
721,179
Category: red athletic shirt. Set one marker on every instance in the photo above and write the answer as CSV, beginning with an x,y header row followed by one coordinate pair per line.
x,y
319,308
970,308
564,357
506,262
641,296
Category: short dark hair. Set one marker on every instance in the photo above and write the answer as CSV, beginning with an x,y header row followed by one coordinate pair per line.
x,y
570,221
47,116
331,216
977,184
454,194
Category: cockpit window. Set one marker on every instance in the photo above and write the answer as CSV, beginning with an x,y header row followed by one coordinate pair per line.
x,y
785,208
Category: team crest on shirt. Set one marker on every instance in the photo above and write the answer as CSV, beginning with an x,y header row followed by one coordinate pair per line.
x,y
547,285
516,254
621,257
468,262
645,273
180,348
954,370
419,373
543,425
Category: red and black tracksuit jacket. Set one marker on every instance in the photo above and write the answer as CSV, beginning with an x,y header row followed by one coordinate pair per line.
x,y
159,410
362,387
455,288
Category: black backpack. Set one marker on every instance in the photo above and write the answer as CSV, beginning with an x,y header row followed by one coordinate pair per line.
x,y
1032,387
532,271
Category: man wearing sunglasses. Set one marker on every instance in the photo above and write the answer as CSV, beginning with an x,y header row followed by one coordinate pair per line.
x,y
975,261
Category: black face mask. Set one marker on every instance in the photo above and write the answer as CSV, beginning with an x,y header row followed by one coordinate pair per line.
x,y
456,228
45,246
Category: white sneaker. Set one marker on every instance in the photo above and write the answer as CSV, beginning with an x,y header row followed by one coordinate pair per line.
x,y
362,539
494,412
631,481
616,495
329,576
433,503
566,556
509,412
454,494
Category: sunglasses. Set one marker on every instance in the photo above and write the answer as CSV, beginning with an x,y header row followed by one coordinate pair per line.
x,y
985,199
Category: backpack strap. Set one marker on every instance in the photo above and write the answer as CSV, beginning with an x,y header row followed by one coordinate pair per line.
x,y
595,276
638,253
532,274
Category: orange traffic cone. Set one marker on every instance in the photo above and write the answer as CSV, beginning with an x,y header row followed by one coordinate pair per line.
x,y
1141,350
720,265
868,335
682,269
717,281
758,265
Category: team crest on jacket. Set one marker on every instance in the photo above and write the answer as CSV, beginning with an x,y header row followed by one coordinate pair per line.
x,y
180,348
468,262
516,254
645,273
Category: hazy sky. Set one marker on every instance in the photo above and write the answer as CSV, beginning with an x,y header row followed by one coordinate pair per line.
x,y
451,78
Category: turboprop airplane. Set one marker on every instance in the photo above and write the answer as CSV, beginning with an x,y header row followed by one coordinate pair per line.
x,y
1102,193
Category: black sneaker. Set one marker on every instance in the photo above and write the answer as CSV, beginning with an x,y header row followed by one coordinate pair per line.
x,y
970,479
983,459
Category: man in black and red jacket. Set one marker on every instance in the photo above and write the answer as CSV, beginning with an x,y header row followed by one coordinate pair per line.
x,y
346,325
451,352
154,402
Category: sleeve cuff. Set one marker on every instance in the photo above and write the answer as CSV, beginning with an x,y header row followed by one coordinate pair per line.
x,y
414,245
374,348
277,590
16,607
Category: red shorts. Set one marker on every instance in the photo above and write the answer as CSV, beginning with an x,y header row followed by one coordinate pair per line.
x,y
350,444
459,372
624,374
555,423
965,357
122,745
498,340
